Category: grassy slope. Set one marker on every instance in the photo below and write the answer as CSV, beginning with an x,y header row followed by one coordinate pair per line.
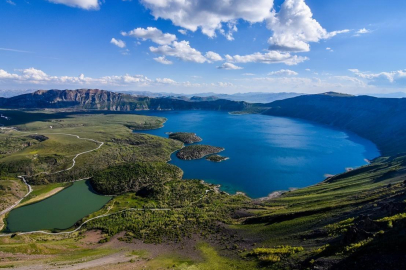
x,y
121,145
310,217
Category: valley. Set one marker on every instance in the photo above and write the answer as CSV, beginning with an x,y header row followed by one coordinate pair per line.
x,y
157,201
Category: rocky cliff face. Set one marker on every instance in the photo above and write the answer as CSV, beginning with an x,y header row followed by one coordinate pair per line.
x,y
95,99
382,121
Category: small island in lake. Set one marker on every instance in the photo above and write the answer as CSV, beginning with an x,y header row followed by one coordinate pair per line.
x,y
185,137
216,158
197,151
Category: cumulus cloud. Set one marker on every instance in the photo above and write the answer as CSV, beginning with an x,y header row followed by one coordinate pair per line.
x,y
212,56
36,76
210,16
391,76
163,60
283,72
229,66
85,4
294,28
181,50
119,43
152,33
271,57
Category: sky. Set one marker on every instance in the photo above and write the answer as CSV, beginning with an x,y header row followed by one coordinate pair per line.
x,y
196,46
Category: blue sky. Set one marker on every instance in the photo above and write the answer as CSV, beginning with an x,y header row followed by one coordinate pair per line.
x,y
192,46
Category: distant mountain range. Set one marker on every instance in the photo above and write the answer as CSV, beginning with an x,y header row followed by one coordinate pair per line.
x,y
252,97
95,99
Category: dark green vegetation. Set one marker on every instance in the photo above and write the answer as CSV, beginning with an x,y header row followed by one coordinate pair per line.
x,y
193,208
216,158
140,178
197,151
185,137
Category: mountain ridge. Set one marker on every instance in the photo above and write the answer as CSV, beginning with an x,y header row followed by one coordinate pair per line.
x,y
96,99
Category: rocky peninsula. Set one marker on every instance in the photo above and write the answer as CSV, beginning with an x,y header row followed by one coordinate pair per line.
x,y
216,158
185,137
197,151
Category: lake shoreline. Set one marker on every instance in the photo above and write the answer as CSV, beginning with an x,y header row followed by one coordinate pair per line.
x,y
258,167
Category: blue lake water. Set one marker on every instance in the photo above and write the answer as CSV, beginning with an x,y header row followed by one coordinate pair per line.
x,y
266,153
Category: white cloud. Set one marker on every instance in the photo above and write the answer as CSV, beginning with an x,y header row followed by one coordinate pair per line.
x,y
223,84
229,66
294,28
267,58
36,76
329,49
151,33
85,4
363,31
181,50
165,81
119,43
210,16
182,31
163,60
283,72
248,74
212,56
5,75
351,79
10,2
391,76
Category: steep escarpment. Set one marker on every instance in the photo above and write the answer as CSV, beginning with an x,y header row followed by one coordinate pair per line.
x,y
381,120
95,99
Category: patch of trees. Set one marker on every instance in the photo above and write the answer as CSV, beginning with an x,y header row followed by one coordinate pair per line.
x,y
143,178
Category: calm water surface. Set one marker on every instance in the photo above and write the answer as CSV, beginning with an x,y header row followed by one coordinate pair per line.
x,y
266,153
60,211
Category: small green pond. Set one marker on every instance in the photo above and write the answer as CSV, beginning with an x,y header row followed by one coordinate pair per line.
x,y
60,211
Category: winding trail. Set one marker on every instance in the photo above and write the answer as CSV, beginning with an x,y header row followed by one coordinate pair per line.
x,y
23,178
